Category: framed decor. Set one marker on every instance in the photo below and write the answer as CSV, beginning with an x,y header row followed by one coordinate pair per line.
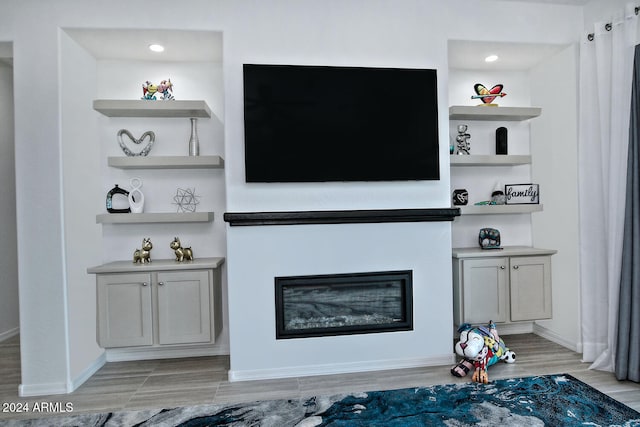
x,y
522,194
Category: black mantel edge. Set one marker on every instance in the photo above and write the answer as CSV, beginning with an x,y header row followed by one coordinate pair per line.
x,y
340,217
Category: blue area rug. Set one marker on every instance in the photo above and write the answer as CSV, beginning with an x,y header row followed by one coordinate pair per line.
x,y
552,400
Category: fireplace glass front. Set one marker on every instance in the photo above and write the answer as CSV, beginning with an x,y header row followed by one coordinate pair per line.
x,y
340,304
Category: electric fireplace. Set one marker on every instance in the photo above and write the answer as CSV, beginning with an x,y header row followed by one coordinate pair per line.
x,y
341,304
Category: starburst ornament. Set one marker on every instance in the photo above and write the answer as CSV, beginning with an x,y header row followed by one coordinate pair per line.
x,y
186,200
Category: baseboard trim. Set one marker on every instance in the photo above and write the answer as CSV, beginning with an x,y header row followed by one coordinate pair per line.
x,y
514,328
28,390
149,353
555,337
339,368
8,334
87,373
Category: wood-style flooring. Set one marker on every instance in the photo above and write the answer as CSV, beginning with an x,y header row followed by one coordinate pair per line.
x,y
182,382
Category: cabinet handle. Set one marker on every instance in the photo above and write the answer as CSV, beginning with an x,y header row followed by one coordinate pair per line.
x,y
515,267
160,283
502,267
145,284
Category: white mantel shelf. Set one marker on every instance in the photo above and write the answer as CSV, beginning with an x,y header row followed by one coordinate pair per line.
x,y
477,252
489,160
167,162
481,112
499,209
153,218
156,265
158,108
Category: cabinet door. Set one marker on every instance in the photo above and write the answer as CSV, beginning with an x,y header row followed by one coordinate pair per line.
x,y
485,290
124,310
530,288
184,307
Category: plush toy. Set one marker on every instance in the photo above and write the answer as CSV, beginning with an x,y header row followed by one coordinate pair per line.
x,y
480,347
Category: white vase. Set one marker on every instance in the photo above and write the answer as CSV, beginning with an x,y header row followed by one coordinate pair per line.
x,y
136,198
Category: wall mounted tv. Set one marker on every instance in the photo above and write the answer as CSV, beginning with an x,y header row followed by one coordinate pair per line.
x,y
321,123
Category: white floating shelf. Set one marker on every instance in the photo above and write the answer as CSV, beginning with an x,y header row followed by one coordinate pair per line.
x,y
489,160
156,265
477,252
480,112
153,218
167,162
158,108
499,209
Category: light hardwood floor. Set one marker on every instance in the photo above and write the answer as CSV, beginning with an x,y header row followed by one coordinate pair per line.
x,y
181,382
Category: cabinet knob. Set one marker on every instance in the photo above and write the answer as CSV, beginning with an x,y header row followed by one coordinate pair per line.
x,y
145,284
515,267
160,283
502,267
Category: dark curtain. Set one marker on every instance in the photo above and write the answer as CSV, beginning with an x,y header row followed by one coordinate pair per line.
x,y
628,347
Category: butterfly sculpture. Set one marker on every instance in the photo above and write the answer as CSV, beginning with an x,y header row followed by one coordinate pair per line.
x,y
487,95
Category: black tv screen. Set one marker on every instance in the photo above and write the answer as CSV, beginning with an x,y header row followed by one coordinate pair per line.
x,y
320,123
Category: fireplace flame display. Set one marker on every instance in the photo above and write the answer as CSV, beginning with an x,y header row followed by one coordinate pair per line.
x,y
339,304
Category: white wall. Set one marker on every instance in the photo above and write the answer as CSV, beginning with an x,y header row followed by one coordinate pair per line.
x,y
414,35
555,168
312,33
352,32
9,321
345,33
279,251
39,201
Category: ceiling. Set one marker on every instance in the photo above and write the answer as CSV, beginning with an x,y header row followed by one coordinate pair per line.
x,y
469,55
129,44
568,2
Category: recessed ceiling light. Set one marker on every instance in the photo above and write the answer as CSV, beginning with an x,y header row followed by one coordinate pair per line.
x,y
491,58
156,48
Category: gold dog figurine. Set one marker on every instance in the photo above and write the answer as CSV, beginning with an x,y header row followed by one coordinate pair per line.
x,y
182,254
143,255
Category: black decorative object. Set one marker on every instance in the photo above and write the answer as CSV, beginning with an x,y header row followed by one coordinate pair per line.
x,y
340,217
113,192
460,197
489,238
501,140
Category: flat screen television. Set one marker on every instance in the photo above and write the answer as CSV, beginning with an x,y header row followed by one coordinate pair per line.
x,y
321,123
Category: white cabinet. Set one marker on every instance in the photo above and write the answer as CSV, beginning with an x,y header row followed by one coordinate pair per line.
x,y
506,286
530,286
157,304
483,291
184,307
124,310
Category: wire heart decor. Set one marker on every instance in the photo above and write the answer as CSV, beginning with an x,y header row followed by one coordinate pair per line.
x,y
144,151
